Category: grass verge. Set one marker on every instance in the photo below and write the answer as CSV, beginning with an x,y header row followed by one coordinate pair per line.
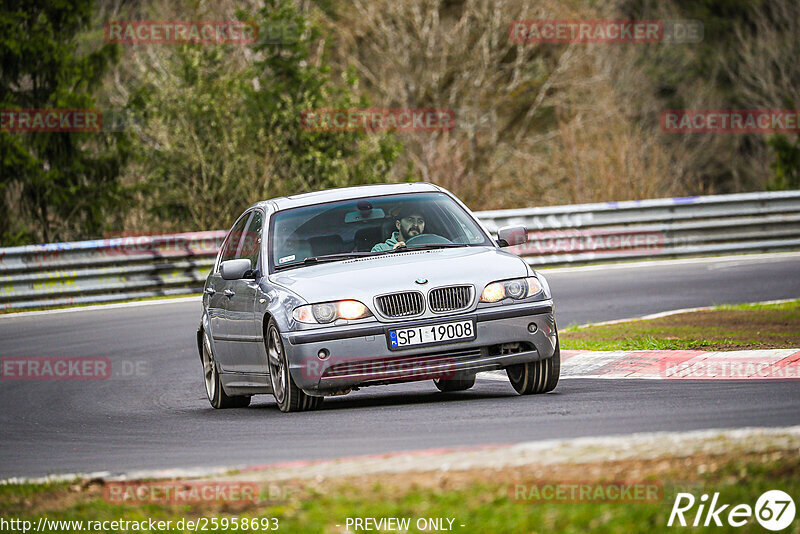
x,y
483,500
729,327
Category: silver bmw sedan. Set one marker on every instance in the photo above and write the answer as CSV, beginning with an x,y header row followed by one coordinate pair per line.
x,y
323,293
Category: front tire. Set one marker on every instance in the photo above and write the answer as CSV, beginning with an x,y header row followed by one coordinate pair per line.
x,y
455,384
214,390
289,397
534,378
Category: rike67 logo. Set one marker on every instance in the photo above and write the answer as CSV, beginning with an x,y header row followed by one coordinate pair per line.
x,y
774,510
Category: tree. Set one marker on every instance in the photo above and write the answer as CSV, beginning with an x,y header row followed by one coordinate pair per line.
x,y
58,185
786,166
222,124
196,151
290,81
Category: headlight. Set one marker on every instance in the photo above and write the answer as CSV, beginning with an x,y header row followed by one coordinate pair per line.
x,y
517,289
328,312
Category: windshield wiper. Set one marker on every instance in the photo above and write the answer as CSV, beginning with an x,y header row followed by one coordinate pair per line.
x,y
406,248
348,255
323,259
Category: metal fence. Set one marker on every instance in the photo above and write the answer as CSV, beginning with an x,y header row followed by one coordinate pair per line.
x,y
122,268
670,227
106,270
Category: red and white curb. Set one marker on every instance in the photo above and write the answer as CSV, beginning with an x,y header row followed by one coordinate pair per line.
x,y
780,364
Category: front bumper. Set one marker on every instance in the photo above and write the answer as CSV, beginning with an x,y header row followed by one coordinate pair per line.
x,y
360,355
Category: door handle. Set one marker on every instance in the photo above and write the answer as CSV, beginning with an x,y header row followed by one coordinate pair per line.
x,y
228,293
211,291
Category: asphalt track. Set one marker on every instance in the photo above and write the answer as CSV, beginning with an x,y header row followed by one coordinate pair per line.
x,y
159,418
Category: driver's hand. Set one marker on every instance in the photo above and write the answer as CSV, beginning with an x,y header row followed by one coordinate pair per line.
x,y
399,244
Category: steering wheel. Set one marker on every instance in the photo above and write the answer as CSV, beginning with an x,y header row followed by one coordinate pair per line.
x,y
427,239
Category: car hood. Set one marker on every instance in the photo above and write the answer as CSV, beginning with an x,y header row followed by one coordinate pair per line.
x,y
364,278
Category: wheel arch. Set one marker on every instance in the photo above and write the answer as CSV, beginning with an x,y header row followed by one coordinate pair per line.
x,y
202,329
265,323
200,341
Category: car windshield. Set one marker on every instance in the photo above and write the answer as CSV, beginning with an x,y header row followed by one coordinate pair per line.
x,y
364,226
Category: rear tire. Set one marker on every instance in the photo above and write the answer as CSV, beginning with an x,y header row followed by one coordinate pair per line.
x,y
288,396
534,378
455,384
214,390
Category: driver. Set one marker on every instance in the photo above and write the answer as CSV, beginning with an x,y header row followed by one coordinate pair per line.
x,y
409,223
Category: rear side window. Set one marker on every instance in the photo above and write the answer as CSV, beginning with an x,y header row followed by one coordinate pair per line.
x,y
233,239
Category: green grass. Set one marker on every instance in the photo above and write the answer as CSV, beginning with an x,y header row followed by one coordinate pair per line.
x,y
23,491
726,327
645,342
484,506
790,306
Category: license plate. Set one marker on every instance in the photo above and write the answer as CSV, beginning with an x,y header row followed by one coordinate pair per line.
x,y
433,333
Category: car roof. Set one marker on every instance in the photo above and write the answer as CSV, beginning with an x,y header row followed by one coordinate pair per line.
x,y
344,193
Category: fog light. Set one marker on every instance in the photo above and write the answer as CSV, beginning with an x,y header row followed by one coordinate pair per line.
x,y
532,328
323,354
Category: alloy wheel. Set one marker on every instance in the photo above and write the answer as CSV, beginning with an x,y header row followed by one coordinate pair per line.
x,y
209,369
277,372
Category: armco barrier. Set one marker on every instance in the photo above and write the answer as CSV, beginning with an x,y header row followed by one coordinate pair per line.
x,y
669,227
131,267
104,270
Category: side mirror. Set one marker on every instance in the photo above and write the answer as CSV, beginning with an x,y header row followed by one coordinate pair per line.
x,y
236,269
509,236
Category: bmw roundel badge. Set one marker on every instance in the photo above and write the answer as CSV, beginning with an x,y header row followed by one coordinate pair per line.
x,y
421,281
